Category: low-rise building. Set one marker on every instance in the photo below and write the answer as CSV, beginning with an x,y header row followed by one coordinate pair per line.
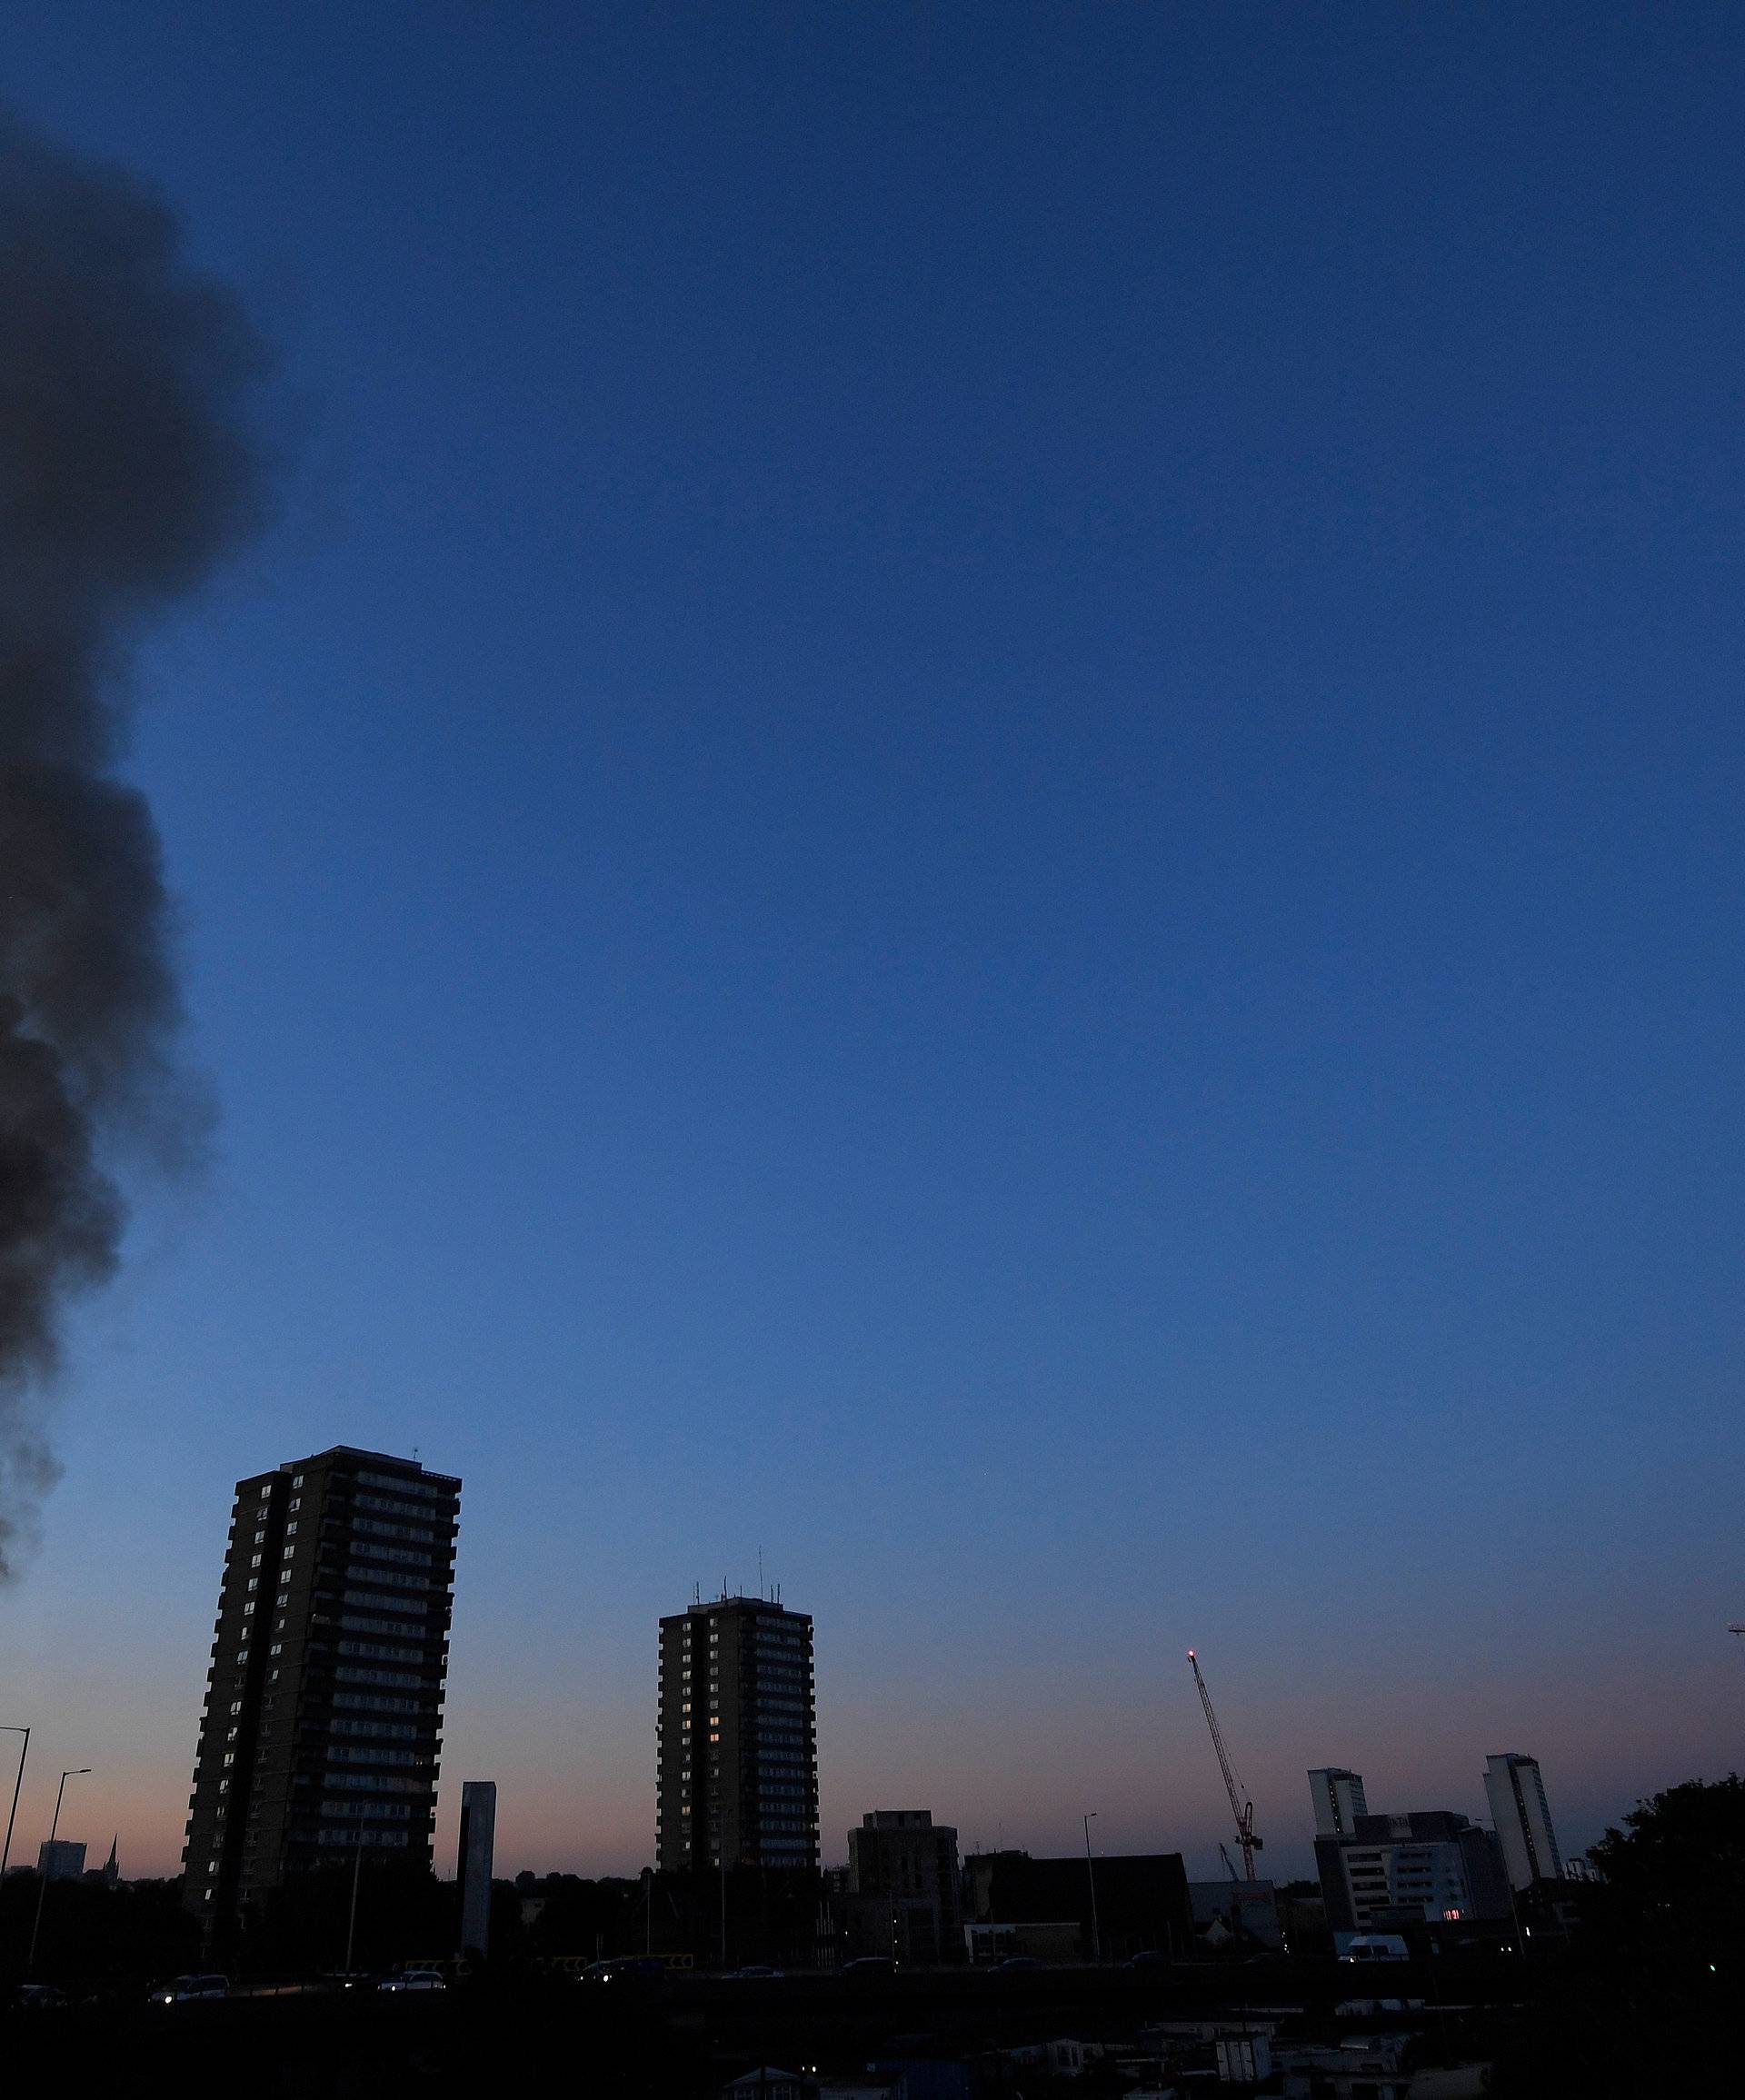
x,y
903,1897
1126,1904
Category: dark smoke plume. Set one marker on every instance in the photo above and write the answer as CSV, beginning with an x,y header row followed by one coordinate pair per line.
x,y
127,471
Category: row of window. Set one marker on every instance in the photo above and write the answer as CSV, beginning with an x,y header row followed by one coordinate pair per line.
x,y
375,1783
379,1527
383,1651
393,1505
404,1556
427,1490
388,1577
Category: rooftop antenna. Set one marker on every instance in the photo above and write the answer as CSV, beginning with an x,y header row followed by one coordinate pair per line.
x,y
762,1597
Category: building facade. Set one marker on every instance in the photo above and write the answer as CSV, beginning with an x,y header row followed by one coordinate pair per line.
x,y
323,1724
1338,1795
1516,1794
60,1859
905,1895
737,1755
474,1857
1430,1866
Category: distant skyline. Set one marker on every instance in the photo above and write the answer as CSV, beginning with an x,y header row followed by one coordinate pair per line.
x,y
976,819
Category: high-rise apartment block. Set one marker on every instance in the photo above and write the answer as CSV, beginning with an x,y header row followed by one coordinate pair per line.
x,y
322,1724
1516,1793
738,1758
1338,1800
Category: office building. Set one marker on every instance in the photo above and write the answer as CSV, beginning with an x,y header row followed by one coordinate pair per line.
x,y
1338,1795
60,1859
323,1723
737,1779
1516,1793
476,1854
1431,1866
905,1896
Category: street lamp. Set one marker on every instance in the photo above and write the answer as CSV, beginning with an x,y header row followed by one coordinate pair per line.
x,y
12,1728
76,1772
1090,1868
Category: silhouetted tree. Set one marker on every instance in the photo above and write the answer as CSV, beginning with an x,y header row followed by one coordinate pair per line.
x,y
1654,1976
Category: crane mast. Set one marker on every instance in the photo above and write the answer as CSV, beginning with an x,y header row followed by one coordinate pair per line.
x,y
1240,1807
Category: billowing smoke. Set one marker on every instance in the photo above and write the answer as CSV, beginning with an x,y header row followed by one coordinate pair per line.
x,y
127,471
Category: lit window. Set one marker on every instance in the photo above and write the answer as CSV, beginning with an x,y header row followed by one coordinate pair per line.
x,y
248,1608
289,1530
282,1599
277,1648
297,1502
254,1582
287,1553
260,1537
224,1785
236,1706
229,1757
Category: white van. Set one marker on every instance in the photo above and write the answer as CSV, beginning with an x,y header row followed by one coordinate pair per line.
x,y
1370,1946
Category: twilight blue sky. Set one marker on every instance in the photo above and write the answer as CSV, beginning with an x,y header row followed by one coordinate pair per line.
x,y
977,819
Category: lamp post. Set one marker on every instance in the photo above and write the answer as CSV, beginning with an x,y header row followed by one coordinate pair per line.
x,y
76,1772
12,1728
357,1870
1090,1868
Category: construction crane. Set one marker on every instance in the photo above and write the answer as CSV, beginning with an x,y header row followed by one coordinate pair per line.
x,y
1240,1807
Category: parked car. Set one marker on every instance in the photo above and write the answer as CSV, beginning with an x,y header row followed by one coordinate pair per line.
x,y
870,1966
414,1980
754,1973
39,1998
1148,1957
625,1970
189,1990
1014,1965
